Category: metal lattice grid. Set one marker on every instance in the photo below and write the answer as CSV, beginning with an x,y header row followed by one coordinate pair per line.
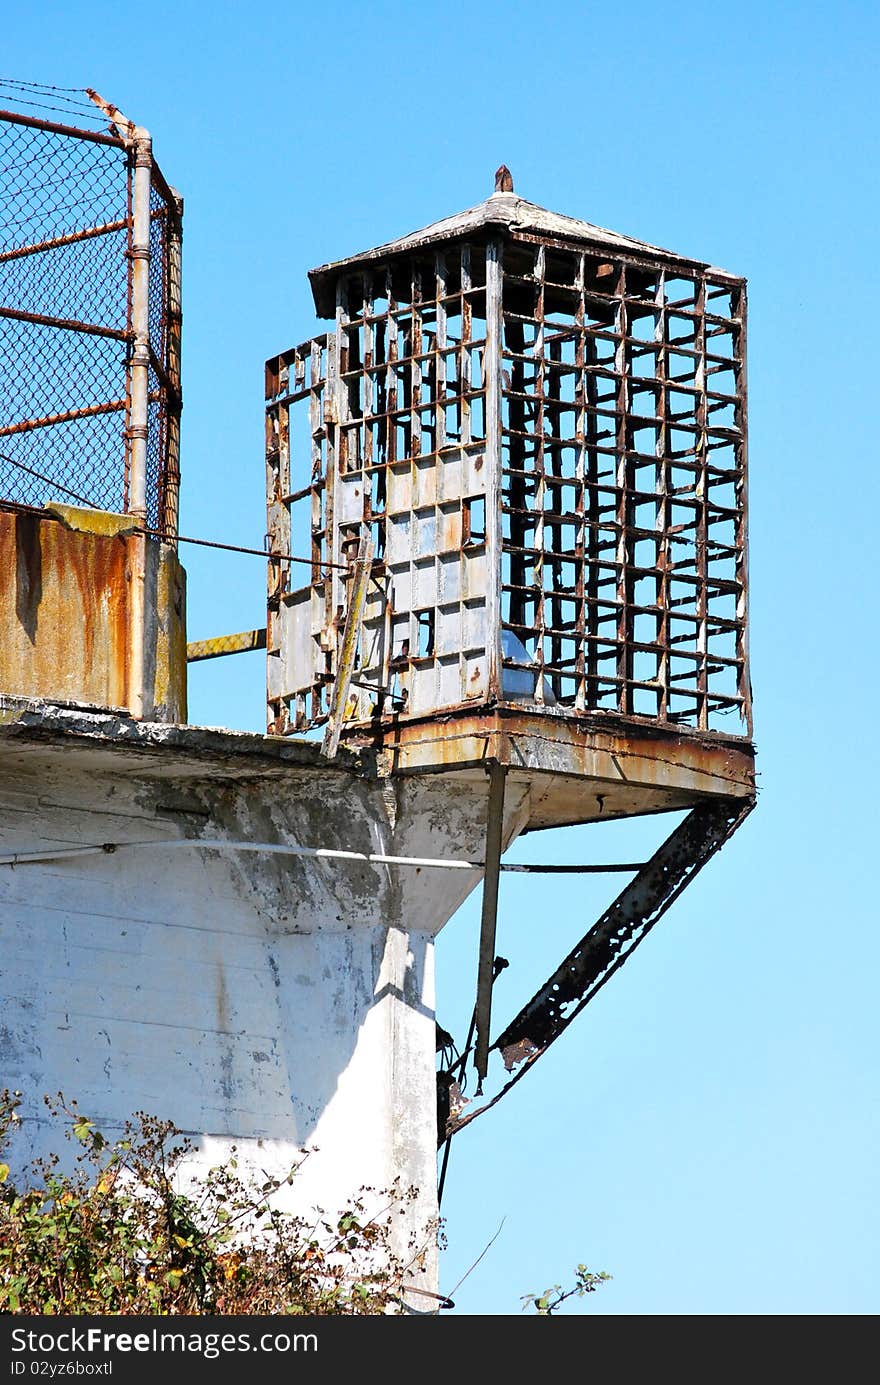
x,y
405,456
547,445
623,571
66,330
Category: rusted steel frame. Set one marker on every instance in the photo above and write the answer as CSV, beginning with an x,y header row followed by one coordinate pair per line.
x,y
514,542
564,670
553,413
625,484
440,297
382,690
662,481
66,324
140,165
411,356
613,939
285,400
220,645
518,399
385,414
601,412
287,383
610,529
318,473
367,386
464,348
73,238
492,421
430,360
335,401
488,918
404,370
702,525
741,490
170,196
539,472
403,373
158,369
625,923
137,426
345,662
28,425
581,528
170,490
277,375
415,364
455,1074
277,526
277,485
380,427
592,516
391,393
678,264
53,128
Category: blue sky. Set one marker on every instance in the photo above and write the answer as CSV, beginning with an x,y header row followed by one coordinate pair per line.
x,y
707,1131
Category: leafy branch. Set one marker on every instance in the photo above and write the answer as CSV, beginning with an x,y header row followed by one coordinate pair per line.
x,y
551,1300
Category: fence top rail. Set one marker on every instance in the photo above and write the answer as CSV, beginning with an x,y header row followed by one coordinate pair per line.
x,y
34,123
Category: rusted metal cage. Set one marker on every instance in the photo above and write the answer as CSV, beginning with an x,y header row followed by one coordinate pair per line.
x,y
540,426
90,317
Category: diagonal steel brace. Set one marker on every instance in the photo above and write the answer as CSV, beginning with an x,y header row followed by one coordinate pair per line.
x,y
613,938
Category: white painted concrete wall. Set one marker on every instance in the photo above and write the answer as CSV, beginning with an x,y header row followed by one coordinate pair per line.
x,y
271,1002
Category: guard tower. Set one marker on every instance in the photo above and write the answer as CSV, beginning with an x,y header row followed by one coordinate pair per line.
x,y
516,467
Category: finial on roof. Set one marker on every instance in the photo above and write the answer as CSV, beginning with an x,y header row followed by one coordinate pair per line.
x,y
503,179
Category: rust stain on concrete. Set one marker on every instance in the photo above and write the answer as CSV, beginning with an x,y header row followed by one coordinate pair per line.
x,y
65,618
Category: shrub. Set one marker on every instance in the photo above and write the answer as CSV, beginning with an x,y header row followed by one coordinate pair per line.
x,y
128,1231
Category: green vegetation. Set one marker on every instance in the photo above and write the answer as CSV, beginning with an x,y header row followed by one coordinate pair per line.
x,y
127,1232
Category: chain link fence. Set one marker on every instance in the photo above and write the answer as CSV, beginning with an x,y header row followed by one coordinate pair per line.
x,y
70,341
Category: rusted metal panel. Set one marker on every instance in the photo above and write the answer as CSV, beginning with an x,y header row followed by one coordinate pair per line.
x,y
576,773
66,611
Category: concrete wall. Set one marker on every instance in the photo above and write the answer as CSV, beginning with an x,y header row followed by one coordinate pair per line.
x,y
269,1001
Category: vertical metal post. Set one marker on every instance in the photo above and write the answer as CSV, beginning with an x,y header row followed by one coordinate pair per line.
x,y
173,249
334,413
492,385
357,596
741,489
485,974
139,368
139,387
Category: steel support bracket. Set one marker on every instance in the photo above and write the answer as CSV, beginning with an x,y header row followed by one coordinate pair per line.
x,y
612,939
